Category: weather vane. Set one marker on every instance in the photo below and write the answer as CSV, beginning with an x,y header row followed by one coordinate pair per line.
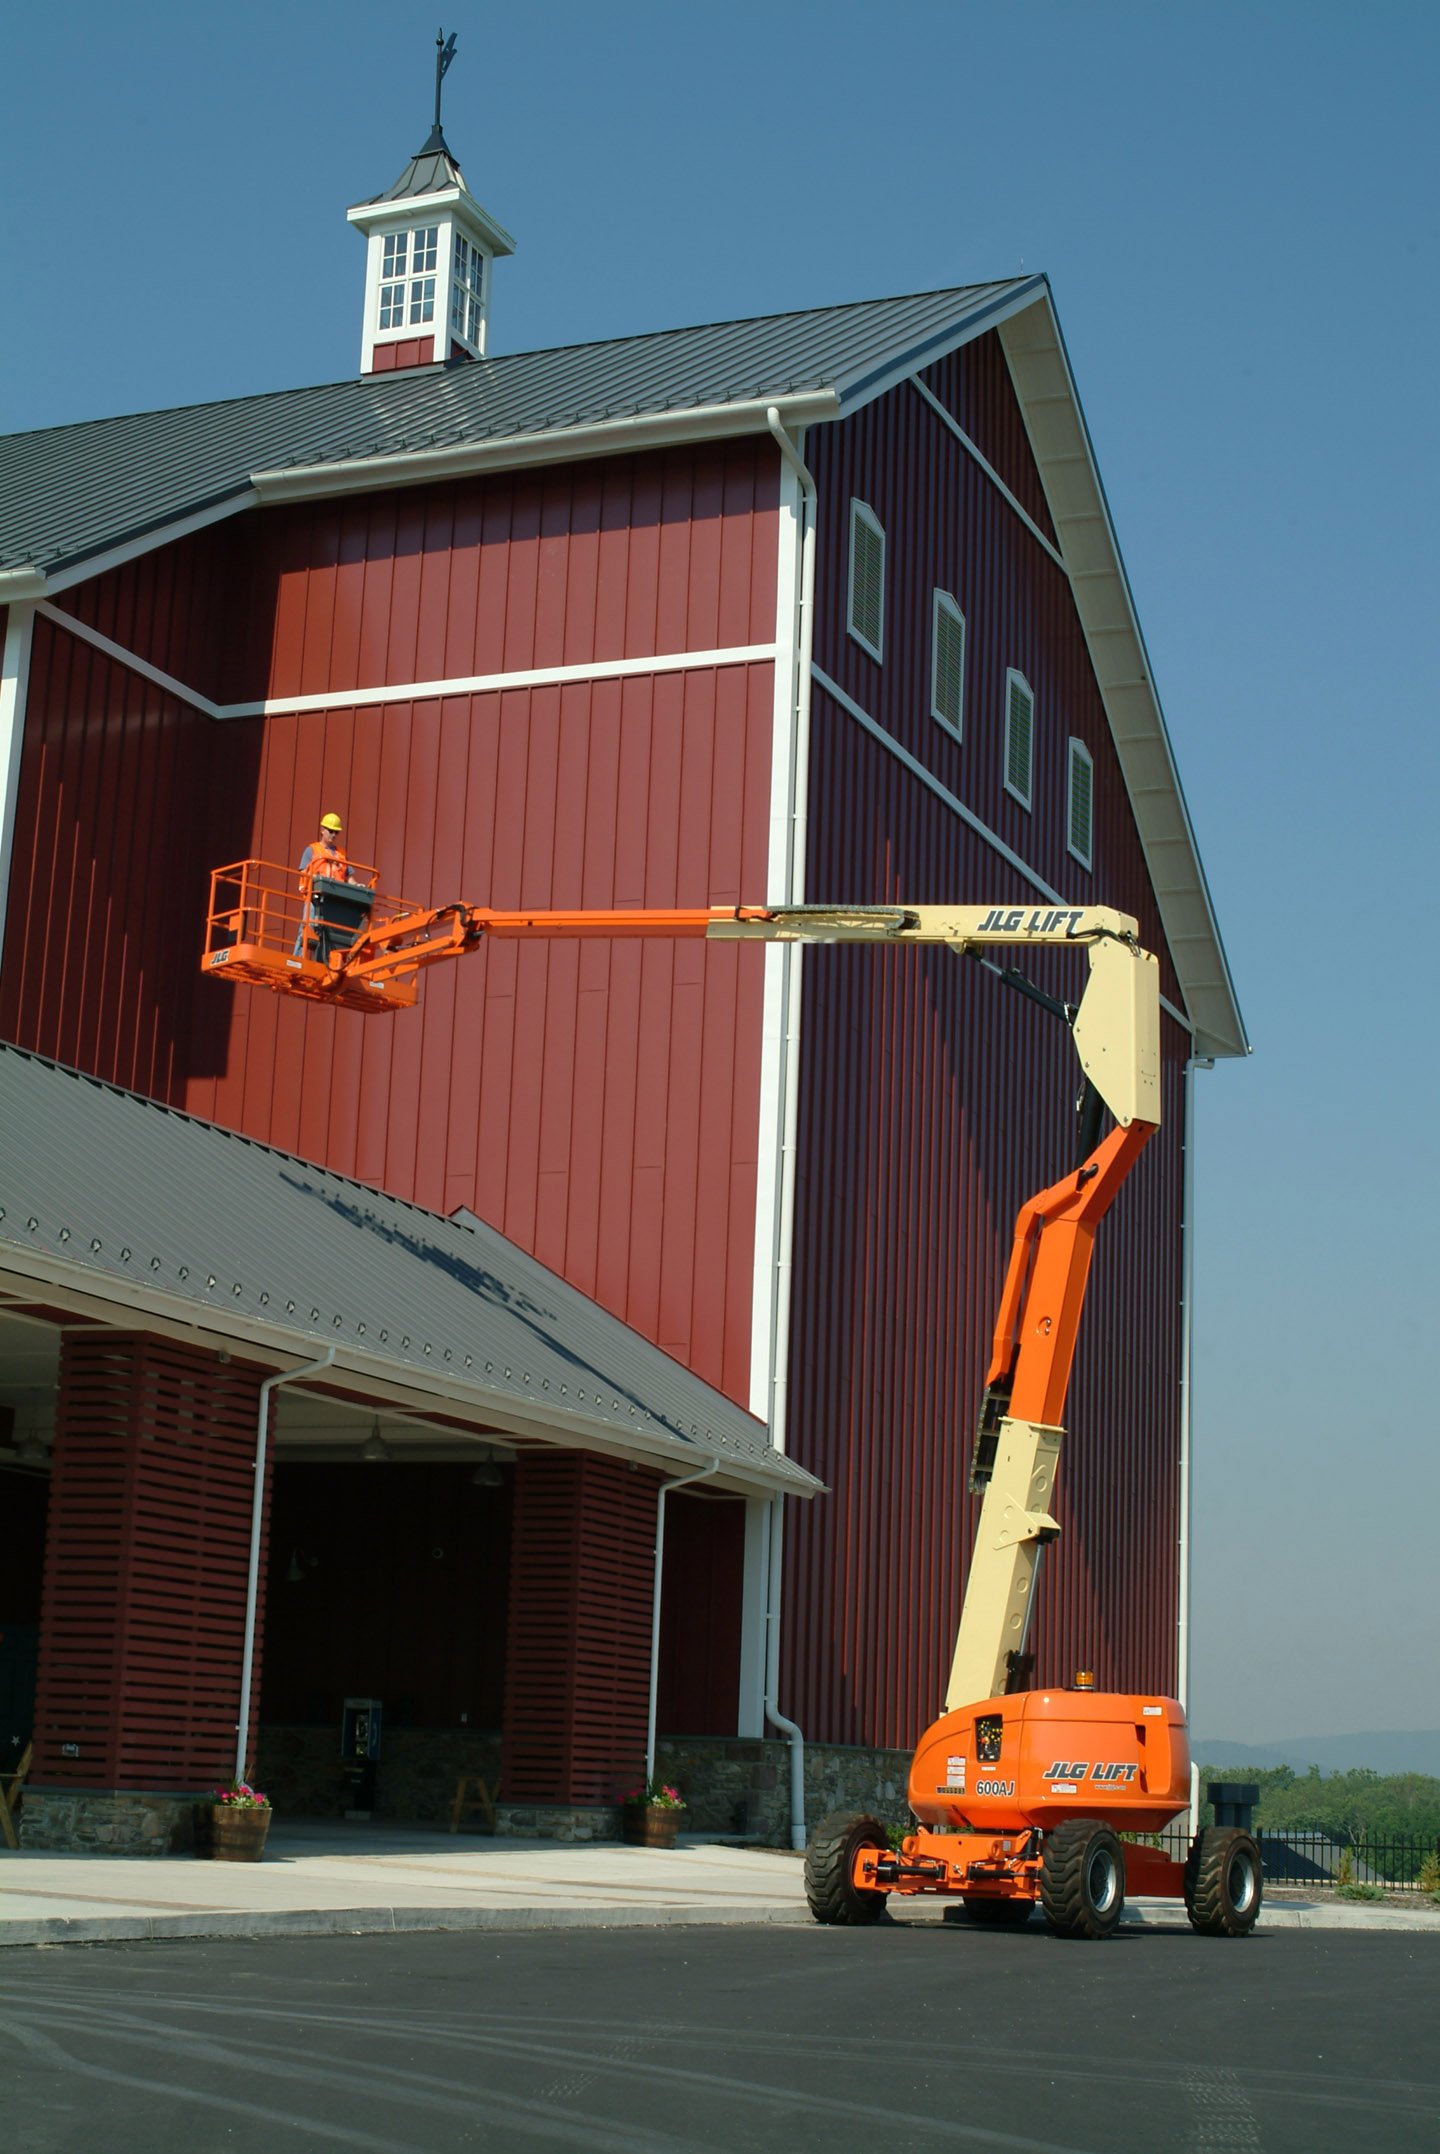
x,y
444,54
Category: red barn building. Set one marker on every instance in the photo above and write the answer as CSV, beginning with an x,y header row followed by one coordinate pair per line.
x,y
350,1356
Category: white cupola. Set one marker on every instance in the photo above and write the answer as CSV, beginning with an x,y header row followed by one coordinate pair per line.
x,y
430,248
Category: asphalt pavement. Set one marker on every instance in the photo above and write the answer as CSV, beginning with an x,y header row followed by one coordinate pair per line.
x,y
319,1879
742,2040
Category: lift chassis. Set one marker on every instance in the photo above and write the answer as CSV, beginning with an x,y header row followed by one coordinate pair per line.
x,y
1021,1798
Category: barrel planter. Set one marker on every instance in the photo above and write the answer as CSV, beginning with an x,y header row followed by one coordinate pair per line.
x,y
238,1834
650,1824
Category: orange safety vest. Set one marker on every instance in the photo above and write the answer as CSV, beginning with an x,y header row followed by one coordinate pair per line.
x,y
318,859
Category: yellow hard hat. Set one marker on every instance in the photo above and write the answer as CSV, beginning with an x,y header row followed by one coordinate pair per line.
x,y
331,822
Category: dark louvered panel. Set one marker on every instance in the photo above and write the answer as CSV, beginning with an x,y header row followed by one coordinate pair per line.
x,y
146,1565
578,1665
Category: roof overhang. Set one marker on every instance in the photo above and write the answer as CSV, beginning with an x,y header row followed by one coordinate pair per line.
x,y
1060,440
127,1214
90,1300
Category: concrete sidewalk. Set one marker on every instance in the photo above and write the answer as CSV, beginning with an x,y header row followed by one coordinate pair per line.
x,y
319,1879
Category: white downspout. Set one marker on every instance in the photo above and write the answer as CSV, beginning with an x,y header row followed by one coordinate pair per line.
x,y
683,1482
772,1677
14,690
794,894
257,1520
1187,1326
784,1260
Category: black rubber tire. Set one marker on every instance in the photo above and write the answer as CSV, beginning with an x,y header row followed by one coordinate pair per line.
x,y
998,1914
829,1868
1082,1879
1224,1883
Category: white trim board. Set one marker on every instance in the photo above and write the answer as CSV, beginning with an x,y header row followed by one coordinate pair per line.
x,y
484,684
957,807
989,470
129,659
474,684
1060,442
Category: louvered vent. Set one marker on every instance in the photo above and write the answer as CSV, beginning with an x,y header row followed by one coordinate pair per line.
x,y
1082,794
867,578
947,666
1019,737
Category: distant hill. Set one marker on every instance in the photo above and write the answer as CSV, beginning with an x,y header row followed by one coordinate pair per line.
x,y
1413,1750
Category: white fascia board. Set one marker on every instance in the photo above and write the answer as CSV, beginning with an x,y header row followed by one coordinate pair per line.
x,y
863,389
509,452
109,1301
1060,439
415,208
412,209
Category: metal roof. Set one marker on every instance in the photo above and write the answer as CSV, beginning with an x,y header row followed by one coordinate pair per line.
x,y
129,1203
70,493
432,167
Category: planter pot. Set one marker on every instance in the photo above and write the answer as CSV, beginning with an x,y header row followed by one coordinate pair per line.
x,y
237,1835
649,1826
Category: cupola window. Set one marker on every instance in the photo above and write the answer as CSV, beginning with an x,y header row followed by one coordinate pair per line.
x,y
467,297
407,279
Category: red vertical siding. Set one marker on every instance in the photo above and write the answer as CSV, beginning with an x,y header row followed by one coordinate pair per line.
x,y
975,387
146,1564
698,1688
600,1105
578,1653
948,526
933,1101
188,609
409,351
115,831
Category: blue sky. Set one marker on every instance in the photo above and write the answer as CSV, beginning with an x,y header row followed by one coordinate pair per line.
x,y
1237,207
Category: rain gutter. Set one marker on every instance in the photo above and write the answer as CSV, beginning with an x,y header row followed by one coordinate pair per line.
x,y
509,452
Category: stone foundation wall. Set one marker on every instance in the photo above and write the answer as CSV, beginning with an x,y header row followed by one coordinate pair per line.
x,y
735,1785
570,1822
91,1821
731,1784
416,1774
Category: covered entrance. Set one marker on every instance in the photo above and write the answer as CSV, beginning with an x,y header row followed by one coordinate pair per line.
x,y
457,1505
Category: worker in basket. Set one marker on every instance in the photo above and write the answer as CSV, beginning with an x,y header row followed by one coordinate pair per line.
x,y
323,861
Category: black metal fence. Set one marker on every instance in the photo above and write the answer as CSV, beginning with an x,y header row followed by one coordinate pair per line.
x,y
1324,1859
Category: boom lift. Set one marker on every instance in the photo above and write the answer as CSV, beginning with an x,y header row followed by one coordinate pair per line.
x,y
1019,1798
